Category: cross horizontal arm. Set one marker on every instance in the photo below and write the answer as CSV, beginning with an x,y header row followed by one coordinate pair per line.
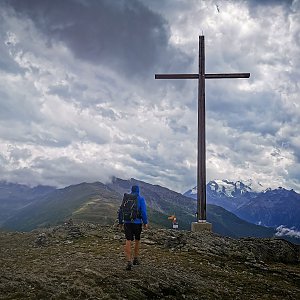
x,y
227,75
207,76
176,76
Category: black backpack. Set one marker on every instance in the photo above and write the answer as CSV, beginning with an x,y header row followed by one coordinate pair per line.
x,y
129,207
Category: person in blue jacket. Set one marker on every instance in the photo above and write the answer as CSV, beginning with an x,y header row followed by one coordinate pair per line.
x,y
133,229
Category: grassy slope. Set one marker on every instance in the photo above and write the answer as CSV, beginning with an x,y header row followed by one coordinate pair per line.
x,y
97,203
227,223
58,206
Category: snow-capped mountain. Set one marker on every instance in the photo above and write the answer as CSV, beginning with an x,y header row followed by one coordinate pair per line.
x,y
254,203
274,208
229,188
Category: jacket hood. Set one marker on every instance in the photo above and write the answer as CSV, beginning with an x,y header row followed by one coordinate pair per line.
x,y
135,189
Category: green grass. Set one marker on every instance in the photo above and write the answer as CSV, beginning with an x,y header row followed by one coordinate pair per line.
x,y
226,223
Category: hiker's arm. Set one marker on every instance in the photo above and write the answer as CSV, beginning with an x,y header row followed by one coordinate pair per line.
x,y
144,211
120,217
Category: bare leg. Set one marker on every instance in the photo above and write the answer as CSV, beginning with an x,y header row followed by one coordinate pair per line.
x,y
136,248
128,250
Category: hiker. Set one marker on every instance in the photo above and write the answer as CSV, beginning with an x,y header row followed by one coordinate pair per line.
x,y
132,215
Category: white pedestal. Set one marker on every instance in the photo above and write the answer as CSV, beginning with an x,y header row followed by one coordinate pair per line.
x,y
201,226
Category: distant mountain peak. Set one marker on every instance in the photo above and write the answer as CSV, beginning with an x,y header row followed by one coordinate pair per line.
x,y
231,188
251,201
255,186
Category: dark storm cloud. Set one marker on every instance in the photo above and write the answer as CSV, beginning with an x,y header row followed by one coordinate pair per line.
x,y
253,112
60,90
5,61
73,110
257,3
3,161
124,35
19,108
17,154
176,127
57,172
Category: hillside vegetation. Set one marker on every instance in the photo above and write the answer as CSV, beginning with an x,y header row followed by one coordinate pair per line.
x,y
98,203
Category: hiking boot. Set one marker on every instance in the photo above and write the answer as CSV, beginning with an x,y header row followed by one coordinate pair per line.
x,y
129,266
136,261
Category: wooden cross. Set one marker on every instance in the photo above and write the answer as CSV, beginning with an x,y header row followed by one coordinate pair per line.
x,y
201,157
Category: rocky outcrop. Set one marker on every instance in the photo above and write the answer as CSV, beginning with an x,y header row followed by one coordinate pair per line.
x,y
254,249
41,240
86,261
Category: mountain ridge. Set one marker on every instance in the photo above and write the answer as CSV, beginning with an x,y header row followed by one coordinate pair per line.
x,y
98,202
272,208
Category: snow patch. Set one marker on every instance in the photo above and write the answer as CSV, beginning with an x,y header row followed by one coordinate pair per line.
x,y
194,191
227,187
255,186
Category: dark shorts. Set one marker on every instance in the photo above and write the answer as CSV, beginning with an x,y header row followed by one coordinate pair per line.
x,y
132,231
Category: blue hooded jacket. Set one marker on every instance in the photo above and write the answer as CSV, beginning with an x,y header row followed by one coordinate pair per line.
x,y
141,207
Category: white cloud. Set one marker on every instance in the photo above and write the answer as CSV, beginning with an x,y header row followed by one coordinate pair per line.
x,y
85,106
285,231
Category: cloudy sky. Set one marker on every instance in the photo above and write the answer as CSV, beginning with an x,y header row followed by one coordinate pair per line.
x,y
78,99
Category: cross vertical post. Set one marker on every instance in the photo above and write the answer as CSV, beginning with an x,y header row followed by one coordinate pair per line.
x,y
201,153
201,160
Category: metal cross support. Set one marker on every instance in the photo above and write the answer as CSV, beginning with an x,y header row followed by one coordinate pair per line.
x,y
201,158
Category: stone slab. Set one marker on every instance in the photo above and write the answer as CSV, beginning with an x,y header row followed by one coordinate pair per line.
x,y
201,226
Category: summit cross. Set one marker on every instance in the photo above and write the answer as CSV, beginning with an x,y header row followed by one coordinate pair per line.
x,y
201,156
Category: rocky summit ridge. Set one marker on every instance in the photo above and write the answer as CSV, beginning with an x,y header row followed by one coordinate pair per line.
x,y
86,261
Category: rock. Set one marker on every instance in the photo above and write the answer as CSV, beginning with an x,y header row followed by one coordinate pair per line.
x,y
74,232
41,240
